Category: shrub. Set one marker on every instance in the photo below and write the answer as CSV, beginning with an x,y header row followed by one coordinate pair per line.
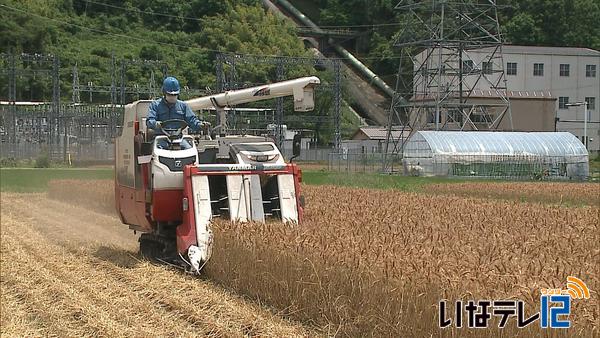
x,y
8,162
42,161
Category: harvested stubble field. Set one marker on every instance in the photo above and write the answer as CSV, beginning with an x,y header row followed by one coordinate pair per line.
x,y
370,262
67,271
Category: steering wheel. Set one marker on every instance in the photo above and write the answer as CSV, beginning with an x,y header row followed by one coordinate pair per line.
x,y
173,132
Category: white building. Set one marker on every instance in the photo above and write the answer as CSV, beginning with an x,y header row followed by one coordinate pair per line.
x,y
569,74
566,74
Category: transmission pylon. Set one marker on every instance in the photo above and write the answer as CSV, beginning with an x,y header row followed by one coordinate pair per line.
x,y
451,73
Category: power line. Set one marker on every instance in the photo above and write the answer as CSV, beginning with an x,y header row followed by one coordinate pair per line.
x,y
93,29
358,26
125,36
137,10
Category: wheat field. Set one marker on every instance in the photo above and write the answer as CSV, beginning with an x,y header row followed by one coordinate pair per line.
x,y
545,192
376,263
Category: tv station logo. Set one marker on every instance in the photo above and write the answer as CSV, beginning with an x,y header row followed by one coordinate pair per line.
x,y
554,311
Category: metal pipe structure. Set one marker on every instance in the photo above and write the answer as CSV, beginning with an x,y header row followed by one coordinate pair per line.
x,y
273,9
301,89
364,70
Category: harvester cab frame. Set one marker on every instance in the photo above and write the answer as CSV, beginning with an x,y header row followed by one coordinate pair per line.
x,y
172,193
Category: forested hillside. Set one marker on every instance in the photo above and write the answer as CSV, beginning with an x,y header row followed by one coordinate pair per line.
x,y
184,34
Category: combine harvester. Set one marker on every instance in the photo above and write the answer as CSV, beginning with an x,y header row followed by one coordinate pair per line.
x,y
171,186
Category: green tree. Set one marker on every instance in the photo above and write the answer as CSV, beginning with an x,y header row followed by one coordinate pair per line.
x,y
552,23
522,30
334,13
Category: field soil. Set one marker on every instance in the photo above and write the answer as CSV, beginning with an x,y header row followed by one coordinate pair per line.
x,y
69,271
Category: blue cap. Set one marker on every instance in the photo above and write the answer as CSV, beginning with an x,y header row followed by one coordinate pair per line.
x,y
171,86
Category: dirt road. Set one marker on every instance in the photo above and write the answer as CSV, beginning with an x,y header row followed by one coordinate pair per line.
x,y
68,271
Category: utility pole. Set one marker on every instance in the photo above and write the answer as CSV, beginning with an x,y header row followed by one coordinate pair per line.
x,y
585,118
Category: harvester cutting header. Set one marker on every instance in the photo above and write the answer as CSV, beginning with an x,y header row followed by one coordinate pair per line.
x,y
170,185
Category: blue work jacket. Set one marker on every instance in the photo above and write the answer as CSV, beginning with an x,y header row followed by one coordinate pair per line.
x,y
161,110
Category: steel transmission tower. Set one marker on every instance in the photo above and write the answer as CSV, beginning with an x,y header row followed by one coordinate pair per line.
x,y
451,72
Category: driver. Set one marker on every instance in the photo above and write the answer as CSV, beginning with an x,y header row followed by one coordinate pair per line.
x,y
169,107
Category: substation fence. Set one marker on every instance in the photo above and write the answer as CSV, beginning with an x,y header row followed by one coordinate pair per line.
x,y
101,152
79,133
518,167
513,167
41,123
359,162
309,155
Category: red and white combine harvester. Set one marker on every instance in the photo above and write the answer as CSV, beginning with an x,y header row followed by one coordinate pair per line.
x,y
171,186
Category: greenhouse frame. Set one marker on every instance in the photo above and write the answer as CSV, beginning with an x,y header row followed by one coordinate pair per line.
x,y
513,155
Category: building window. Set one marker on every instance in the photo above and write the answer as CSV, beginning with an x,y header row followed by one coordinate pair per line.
x,y
487,67
564,69
590,70
591,103
511,68
562,102
467,66
538,69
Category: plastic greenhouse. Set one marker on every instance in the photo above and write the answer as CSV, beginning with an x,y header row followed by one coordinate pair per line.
x,y
537,155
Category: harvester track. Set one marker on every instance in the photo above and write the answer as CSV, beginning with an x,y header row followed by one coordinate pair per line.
x,y
60,277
